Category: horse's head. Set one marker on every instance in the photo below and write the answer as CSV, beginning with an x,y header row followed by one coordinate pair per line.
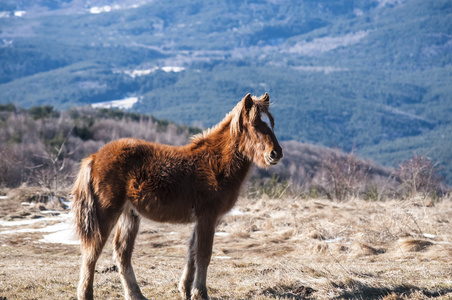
x,y
254,126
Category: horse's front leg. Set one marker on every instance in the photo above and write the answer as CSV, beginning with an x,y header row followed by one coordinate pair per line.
x,y
205,230
188,275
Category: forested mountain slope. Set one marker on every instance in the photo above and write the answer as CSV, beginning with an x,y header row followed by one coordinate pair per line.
x,y
374,76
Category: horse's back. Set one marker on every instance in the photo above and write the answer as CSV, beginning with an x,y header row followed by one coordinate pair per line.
x,y
157,179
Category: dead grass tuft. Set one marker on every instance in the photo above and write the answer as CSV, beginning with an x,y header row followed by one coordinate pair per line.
x,y
293,291
413,245
364,249
319,248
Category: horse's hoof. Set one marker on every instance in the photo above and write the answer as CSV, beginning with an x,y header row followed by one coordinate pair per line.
x,y
184,292
197,294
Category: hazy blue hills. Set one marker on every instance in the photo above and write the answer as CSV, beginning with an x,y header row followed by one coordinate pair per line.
x,y
374,76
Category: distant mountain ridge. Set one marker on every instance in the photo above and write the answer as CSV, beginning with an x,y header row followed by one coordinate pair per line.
x,y
373,76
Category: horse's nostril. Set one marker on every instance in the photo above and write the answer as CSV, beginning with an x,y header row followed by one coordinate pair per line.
x,y
273,154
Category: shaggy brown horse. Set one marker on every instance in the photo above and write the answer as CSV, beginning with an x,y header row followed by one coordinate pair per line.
x,y
198,182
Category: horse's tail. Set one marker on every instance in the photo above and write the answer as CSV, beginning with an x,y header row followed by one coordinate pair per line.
x,y
84,206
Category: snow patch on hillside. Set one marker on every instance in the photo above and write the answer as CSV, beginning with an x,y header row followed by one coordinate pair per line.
x,y
138,73
125,103
172,69
143,72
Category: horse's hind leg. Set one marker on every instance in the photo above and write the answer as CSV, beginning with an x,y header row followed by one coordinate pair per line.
x,y
90,254
91,251
126,232
188,276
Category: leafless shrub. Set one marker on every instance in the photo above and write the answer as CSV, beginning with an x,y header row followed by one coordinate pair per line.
x,y
56,171
419,175
343,176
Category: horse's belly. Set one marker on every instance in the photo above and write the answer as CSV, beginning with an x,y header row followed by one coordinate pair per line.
x,y
163,197
174,210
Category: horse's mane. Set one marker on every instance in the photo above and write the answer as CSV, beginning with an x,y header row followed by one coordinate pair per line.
x,y
232,117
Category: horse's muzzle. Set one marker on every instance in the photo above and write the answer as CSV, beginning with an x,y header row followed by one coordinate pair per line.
x,y
273,158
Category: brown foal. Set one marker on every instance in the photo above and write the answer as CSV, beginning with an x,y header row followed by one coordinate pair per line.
x,y
198,182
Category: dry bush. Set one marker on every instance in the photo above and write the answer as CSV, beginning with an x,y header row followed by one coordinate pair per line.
x,y
419,175
343,176
56,172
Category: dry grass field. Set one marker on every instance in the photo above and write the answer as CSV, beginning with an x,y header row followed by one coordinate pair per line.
x,y
265,249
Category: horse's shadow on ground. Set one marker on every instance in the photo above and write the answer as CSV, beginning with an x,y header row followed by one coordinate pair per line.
x,y
359,291
364,291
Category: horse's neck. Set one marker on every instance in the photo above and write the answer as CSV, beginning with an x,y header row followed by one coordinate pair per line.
x,y
239,166
224,152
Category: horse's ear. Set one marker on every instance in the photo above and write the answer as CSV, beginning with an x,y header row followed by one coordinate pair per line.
x,y
248,102
266,98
